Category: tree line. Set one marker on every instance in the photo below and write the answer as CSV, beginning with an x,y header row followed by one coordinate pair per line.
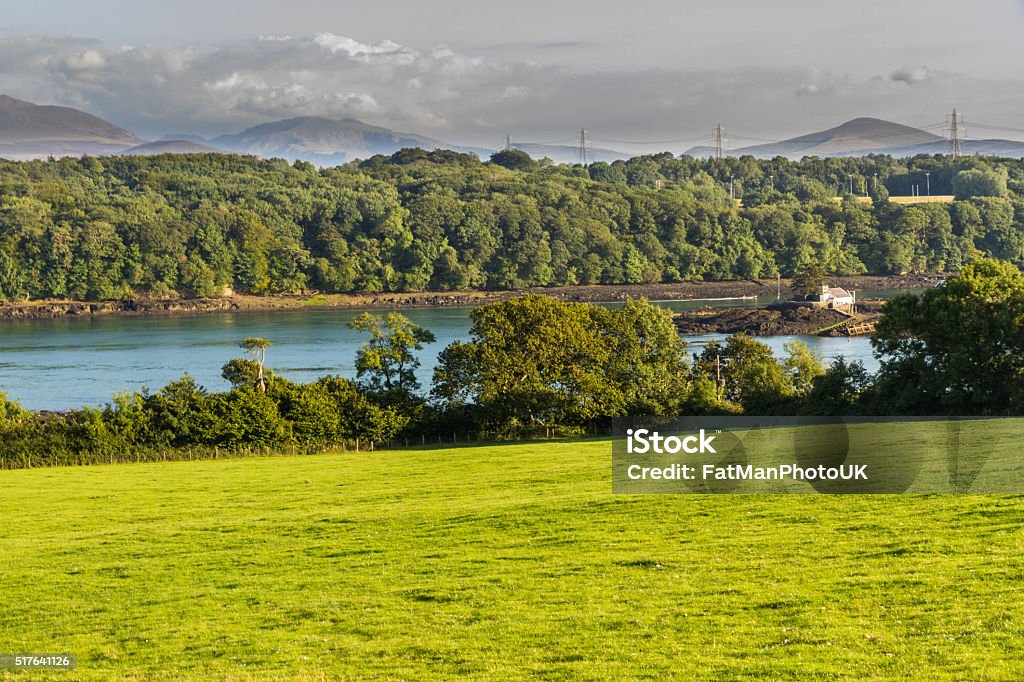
x,y
534,364
115,228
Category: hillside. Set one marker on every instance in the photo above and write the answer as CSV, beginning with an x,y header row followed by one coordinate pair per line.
x,y
170,147
445,233
29,130
321,140
496,562
859,136
568,153
993,147
863,136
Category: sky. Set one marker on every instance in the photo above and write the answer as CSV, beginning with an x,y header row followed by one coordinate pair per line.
x,y
643,75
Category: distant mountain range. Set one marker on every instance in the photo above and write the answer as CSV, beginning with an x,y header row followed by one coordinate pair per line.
x,y
863,136
36,131
321,140
31,131
170,147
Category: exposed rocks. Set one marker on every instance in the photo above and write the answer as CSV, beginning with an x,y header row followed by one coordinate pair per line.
x,y
784,319
53,309
589,293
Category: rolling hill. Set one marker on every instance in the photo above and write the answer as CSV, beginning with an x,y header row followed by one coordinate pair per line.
x,y
170,147
863,136
859,136
322,140
568,153
30,130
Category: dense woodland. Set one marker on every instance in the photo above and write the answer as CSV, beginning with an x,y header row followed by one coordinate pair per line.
x,y
202,225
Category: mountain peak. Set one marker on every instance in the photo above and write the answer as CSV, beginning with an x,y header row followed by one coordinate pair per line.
x,y
322,140
8,102
33,130
858,136
869,127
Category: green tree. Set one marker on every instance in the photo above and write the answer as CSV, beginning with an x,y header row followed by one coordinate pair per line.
x,y
246,417
977,182
179,413
751,376
803,365
257,348
839,390
387,362
535,361
11,413
957,348
514,159
243,372
809,279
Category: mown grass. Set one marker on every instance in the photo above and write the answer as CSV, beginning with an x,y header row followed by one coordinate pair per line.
x,y
496,562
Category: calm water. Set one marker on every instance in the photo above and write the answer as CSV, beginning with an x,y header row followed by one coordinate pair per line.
x,y
59,364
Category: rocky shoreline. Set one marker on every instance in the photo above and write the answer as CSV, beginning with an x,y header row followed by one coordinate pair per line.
x,y
57,309
593,293
785,319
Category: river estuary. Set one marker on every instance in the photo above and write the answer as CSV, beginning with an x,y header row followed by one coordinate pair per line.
x,y
64,363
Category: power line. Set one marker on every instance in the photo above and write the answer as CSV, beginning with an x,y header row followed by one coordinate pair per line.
x,y
562,140
953,129
975,124
752,138
641,142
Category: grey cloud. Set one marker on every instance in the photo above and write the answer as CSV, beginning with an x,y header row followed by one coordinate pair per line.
x,y
912,75
156,89
563,44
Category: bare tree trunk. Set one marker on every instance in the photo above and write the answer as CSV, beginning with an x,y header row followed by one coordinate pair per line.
x,y
262,359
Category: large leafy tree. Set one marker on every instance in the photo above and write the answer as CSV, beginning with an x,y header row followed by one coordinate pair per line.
x,y
748,374
957,348
536,361
387,363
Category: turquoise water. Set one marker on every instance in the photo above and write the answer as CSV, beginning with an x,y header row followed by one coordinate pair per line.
x,y
65,363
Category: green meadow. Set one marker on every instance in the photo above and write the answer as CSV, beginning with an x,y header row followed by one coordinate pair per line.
x,y
495,562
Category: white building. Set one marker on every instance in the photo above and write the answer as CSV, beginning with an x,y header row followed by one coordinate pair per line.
x,y
832,297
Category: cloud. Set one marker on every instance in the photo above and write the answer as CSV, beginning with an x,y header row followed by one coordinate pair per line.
x,y
441,92
912,75
364,52
153,87
86,60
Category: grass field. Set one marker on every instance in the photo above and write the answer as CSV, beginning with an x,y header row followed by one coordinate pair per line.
x,y
496,562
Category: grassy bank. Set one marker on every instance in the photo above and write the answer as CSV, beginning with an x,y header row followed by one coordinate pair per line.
x,y
495,562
